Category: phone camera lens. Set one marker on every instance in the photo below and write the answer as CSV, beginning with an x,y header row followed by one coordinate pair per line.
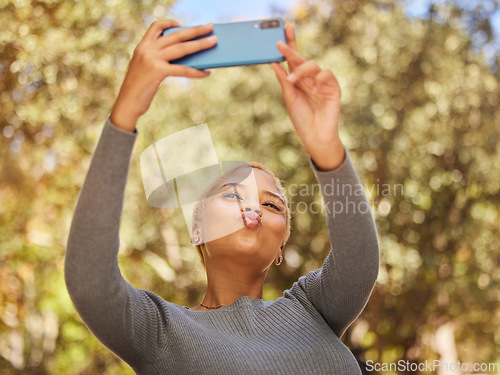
x,y
269,24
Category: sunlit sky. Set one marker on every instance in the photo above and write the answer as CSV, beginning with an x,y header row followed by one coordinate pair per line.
x,y
191,12
198,12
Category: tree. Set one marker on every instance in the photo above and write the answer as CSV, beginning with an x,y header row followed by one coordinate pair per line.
x,y
419,110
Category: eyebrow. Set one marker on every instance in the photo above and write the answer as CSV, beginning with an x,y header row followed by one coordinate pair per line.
x,y
267,192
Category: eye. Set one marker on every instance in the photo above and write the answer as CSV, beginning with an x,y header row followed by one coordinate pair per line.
x,y
273,205
231,195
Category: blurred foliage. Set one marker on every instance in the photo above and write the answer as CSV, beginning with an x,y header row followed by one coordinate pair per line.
x,y
420,106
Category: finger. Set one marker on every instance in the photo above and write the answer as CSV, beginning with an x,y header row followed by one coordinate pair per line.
x,y
280,72
325,76
185,48
309,68
292,57
157,28
176,70
290,36
186,34
286,86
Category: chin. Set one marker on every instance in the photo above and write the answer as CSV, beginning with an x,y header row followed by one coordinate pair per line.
x,y
246,240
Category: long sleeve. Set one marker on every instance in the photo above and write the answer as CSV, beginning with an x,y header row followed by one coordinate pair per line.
x,y
340,289
123,318
247,337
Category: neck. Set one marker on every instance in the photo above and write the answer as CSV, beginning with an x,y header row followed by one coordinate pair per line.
x,y
225,284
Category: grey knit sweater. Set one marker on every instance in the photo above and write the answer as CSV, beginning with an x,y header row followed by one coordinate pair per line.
x,y
297,333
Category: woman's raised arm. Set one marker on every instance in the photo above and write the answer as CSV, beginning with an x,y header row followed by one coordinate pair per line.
x,y
340,289
129,321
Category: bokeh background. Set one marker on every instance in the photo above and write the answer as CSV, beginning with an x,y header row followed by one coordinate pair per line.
x,y
420,110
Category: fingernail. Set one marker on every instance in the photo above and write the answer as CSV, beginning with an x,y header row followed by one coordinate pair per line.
x,y
212,38
314,89
292,77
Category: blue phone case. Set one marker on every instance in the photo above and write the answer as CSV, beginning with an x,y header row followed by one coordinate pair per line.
x,y
238,43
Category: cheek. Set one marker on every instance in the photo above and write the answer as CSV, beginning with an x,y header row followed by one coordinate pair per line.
x,y
220,210
275,223
220,219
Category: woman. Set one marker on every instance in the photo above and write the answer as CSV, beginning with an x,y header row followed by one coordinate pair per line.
x,y
232,331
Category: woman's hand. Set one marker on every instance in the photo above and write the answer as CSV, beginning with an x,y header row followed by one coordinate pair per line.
x,y
312,98
150,65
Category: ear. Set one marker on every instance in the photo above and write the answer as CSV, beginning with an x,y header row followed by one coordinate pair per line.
x,y
196,233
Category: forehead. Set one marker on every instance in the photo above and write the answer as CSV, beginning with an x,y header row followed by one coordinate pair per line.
x,y
246,176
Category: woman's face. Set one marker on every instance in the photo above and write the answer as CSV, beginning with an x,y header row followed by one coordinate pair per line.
x,y
226,234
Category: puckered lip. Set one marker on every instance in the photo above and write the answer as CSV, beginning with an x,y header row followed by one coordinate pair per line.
x,y
251,215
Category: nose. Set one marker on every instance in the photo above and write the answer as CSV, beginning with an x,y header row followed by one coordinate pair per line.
x,y
251,205
258,212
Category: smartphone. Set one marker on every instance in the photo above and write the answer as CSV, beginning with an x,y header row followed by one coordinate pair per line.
x,y
238,43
